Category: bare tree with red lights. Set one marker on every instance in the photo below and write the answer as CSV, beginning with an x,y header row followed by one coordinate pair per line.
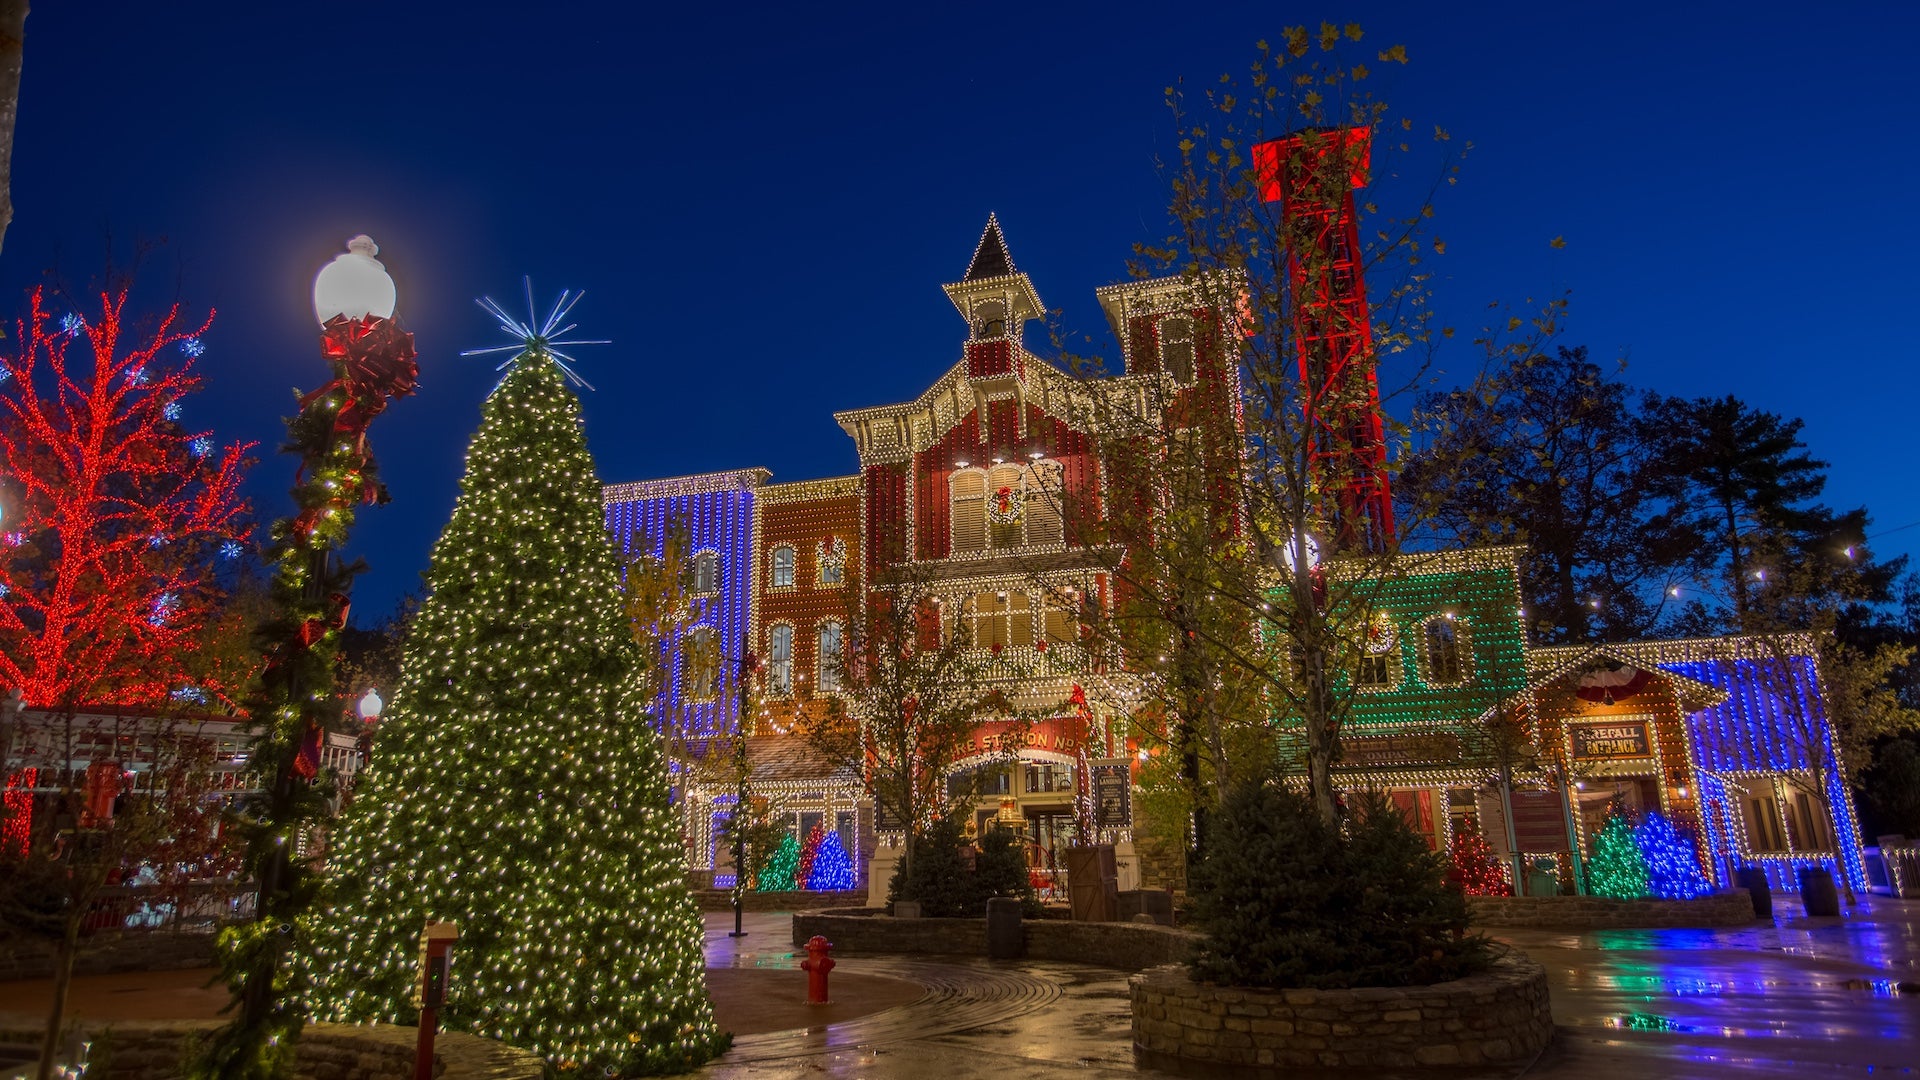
x,y
115,514
114,510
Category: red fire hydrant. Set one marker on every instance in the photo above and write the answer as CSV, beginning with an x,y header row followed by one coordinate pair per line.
x,y
816,965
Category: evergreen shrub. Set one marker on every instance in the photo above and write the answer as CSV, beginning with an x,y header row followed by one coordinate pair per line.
x,y
1285,900
948,889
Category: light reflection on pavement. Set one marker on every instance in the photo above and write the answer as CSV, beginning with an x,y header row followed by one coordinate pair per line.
x,y
1795,998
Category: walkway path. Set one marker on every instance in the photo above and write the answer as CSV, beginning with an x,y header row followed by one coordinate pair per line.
x,y
1801,998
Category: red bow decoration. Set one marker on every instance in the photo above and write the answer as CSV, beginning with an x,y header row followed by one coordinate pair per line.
x,y
374,354
314,629
306,761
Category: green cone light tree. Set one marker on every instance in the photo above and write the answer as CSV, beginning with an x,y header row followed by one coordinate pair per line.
x,y
517,789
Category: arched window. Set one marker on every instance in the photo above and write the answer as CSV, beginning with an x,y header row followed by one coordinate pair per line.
x,y
1177,348
782,568
706,573
990,320
830,655
1006,505
702,664
780,658
1379,663
1043,502
1445,651
968,488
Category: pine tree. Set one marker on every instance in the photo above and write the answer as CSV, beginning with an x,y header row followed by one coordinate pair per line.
x,y
518,790
832,868
1673,869
1473,867
808,852
1617,868
781,869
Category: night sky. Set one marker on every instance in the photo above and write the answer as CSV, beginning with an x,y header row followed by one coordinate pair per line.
x,y
762,204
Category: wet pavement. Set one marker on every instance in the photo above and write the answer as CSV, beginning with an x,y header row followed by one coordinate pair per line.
x,y
1798,997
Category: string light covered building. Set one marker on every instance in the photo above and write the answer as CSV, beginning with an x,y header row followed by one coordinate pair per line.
x,y
964,484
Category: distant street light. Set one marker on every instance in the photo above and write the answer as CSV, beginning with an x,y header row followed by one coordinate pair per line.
x,y
370,705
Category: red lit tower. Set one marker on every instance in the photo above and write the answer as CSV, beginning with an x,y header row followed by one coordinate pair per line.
x,y
1314,174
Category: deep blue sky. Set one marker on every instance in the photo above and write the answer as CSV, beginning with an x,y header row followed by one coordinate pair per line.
x,y
762,204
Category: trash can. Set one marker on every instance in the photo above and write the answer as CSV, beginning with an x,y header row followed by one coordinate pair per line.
x,y
1817,893
1754,880
1006,938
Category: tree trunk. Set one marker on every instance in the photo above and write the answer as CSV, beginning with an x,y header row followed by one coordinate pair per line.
x,y
13,32
1323,737
62,982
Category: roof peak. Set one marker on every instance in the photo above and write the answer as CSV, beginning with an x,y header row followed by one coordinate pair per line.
x,y
990,256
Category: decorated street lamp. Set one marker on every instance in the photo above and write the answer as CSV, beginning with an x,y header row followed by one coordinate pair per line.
x,y
371,362
370,706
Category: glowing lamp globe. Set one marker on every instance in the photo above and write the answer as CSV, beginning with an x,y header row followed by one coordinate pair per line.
x,y
354,284
370,706
1302,545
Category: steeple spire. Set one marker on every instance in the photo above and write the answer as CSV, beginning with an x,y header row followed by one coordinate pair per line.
x,y
990,257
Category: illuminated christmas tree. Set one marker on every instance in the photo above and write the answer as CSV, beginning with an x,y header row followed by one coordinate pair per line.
x,y
832,867
1474,868
804,872
1617,868
1673,870
781,869
518,789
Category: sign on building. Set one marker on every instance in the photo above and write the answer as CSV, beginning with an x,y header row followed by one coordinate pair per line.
x,y
1112,794
1603,742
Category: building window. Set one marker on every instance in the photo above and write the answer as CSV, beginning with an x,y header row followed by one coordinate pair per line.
x,y
1000,619
1042,482
706,573
831,557
1044,777
782,569
829,656
1006,506
1445,658
1176,348
1060,617
1379,663
968,489
702,664
780,658
1376,672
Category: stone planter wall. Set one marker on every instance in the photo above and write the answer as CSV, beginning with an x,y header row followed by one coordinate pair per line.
x,y
109,952
1126,946
1497,1018
153,1050
722,900
1731,908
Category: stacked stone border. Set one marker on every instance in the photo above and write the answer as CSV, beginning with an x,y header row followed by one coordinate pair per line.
x,y
722,900
1124,946
154,1050
1498,1018
1731,908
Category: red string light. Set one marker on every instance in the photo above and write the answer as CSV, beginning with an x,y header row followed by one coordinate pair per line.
x,y
120,508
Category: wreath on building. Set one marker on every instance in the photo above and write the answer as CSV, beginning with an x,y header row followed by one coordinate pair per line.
x,y
1006,506
1381,635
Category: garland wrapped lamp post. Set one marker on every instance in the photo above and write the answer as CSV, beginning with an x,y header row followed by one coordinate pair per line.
x,y
371,361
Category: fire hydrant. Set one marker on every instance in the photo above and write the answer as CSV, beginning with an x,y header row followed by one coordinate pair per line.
x,y
816,965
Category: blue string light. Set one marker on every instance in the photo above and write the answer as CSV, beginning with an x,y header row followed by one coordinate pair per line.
x,y
1673,870
832,869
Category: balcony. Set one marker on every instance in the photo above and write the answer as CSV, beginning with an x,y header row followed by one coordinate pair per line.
x,y
1031,661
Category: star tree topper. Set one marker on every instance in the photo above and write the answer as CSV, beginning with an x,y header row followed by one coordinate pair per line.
x,y
544,341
